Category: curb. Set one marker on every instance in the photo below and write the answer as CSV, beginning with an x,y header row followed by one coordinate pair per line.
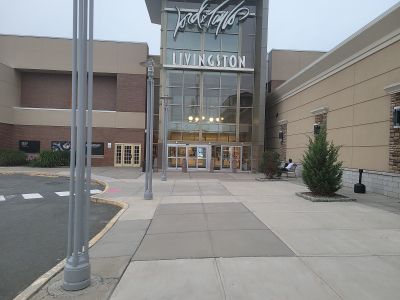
x,y
34,287
339,198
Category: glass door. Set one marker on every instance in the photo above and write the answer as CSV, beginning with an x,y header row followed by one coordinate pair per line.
x,y
127,155
136,155
216,156
236,157
226,158
202,158
192,157
118,155
196,156
172,157
181,156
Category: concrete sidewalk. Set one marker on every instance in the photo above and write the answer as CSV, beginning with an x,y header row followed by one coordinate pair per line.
x,y
227,236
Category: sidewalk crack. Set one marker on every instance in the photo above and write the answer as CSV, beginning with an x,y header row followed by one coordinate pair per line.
x,y
321,278
220,278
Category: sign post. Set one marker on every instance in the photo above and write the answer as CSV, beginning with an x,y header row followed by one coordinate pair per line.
x,y
77,266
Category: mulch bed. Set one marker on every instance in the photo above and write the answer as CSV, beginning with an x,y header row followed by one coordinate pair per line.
x,y
268,179
316,198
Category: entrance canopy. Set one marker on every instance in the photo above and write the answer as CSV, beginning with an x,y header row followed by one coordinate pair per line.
x,y
154,9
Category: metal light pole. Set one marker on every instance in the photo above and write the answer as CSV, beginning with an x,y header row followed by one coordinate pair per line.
x,y
165,100
148,190
77,266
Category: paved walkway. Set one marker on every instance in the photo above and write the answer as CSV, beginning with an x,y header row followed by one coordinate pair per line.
x,y
227,236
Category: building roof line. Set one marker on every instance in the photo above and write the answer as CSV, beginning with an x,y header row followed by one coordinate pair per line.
x,y
392,19
67,38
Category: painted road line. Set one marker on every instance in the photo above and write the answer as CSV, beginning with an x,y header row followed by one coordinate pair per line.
x,y
95,192
32,196
2,198
63,194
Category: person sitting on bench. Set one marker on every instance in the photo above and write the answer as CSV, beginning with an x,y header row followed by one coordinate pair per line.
x,y
288,166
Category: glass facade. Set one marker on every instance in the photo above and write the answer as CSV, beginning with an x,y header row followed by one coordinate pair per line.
x,y
210,80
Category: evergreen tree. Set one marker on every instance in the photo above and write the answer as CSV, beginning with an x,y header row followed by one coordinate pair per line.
x,y
270,164
322,172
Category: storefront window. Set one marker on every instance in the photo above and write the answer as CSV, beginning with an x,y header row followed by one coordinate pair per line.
x,y
207,104
188,41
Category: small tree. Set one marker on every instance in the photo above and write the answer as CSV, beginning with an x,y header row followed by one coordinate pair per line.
x,y
322,172
270,164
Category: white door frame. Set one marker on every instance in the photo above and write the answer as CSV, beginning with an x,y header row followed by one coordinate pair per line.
x,y
135,155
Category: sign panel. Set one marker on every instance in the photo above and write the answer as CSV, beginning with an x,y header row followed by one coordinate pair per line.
x,y
60,145
97,148
210,60
219,17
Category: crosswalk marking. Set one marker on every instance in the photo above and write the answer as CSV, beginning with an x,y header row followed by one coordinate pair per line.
x,y
66,193
63,194
39,196
95,192
32,196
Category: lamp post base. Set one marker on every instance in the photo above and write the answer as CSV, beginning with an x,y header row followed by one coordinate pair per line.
x,y
77,277
148,195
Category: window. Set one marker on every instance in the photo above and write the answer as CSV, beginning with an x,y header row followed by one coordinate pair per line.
x,y
29,146
396,117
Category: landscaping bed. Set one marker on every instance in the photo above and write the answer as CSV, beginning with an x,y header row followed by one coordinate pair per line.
x,y
316,198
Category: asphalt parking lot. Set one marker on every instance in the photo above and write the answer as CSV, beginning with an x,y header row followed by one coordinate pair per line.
x,y
33,227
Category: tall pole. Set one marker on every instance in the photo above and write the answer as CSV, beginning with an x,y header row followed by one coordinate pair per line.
x,y
148,192
165,100
77,266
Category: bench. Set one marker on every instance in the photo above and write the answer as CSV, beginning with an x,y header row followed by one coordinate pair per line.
x,y
292,170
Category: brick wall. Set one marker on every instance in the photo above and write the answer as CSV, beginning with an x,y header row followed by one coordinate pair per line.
x,y
47,134
131,93
53,90
394,149
6,133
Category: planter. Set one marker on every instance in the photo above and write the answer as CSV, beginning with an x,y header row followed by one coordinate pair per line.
x,y
314,198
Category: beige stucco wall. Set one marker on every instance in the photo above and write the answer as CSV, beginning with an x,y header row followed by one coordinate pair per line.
x,y
10,93
62,117
286,63
41,53
359,111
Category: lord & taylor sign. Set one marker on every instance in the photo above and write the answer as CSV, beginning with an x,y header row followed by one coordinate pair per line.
x,y
217,17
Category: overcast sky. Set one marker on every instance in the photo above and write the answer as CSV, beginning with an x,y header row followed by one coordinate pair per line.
x,y
294,24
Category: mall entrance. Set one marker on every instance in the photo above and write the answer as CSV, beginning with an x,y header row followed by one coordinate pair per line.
x,y
223,158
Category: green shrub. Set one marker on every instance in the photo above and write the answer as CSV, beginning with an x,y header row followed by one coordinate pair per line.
x,y
51,159
270,164
322,172
12,158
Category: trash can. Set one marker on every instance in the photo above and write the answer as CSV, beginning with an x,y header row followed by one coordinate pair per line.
x,y
184,166
234,166
212,165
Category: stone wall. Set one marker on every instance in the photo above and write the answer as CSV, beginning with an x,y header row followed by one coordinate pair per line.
x,y
321,119
394,149
387,184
